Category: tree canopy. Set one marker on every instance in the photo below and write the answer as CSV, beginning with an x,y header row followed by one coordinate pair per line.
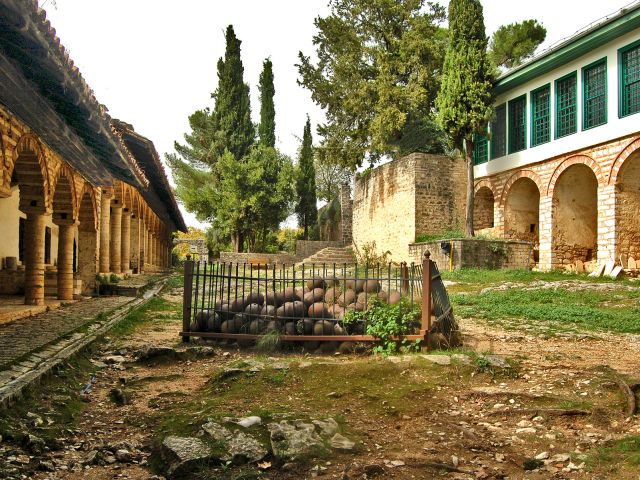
x,y
376,76
267,128
464,101
514,43
306,209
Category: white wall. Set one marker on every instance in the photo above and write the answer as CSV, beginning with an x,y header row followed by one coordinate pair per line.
x,y
614,128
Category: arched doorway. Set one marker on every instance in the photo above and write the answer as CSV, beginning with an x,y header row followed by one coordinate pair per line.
x,y
627,208
575,216
521,213
483,209
87,241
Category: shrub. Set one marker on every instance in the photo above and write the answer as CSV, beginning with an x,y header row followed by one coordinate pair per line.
x,y
367,254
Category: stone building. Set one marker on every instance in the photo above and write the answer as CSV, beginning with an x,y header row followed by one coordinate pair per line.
x,y
397,202
80,193
560,166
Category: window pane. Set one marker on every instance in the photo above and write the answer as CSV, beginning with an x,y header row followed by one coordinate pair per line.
x,y
540,116
595,95
631,81
480,149
498,137
566,106
517,125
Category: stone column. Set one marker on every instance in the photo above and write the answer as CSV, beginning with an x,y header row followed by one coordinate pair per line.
x,y
66,234
116,238
125,252
547,257
34,259
135,242
152,258
105,231
607,235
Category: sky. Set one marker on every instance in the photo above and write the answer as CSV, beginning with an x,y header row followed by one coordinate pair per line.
x,y
153,62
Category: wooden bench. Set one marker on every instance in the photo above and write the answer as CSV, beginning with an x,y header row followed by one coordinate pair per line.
x,y
259,262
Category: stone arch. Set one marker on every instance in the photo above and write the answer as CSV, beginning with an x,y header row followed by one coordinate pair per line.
x,y
88,238
574,215
483,206
530,174
63,193
29,170
569,162
630,149
88,209
627,193
521,207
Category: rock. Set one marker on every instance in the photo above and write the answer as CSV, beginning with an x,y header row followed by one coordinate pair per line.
x,y
123,456
240,447
396,463
526,430
118,396
216,431
496,361
34,444
459,357
182,453
559,458
340,442
542,456
113,359
373,470
154,351
438,359
293,440
246,422
35,420
327,427
90,458
46,466
109,459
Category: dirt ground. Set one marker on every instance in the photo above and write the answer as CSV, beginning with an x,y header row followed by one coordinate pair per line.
x,y
543,407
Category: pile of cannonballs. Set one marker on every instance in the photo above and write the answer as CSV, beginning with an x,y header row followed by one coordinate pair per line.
x,y
317,308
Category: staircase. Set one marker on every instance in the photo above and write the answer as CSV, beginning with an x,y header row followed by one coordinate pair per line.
x,y
331,255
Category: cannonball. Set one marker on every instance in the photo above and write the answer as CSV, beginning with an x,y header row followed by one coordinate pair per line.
x,y
307,326
237,305
225,311
382,295
394,297
316,283
359,307
253,309
280,311
289,294
371,286
274,298
300,293
323,327
201,319
339,329
254,297
289,328
319,310
337,312
213,323
289,311
315,295
194,326
299,309
346,347
271,326
348,297
268,311
332,295
233,325
356,328
359,287
257,326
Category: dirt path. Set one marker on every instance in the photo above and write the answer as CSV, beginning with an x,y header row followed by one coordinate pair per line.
x,y
408,415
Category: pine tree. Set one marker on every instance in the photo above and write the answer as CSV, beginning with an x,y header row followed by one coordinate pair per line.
x,y
267,128
464,99
306,209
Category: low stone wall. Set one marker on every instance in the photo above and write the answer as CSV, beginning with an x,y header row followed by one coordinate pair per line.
x,y
475,253
270,258
12,282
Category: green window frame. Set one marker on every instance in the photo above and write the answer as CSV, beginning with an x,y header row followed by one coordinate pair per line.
x,y
629,79
541,115
499,132
594,94
567,105
518,124
480,149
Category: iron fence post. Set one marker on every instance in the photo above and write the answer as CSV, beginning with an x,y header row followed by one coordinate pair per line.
x,y
426,296
186,298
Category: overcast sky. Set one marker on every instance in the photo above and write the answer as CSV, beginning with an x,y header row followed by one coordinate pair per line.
x,y
153,62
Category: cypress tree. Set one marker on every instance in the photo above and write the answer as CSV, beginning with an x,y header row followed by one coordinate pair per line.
x,y
267,128
464,99
306,209
232,113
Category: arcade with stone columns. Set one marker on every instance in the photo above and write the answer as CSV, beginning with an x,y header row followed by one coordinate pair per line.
x,y
81,194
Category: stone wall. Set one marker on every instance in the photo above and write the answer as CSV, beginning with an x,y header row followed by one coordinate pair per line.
x,y
417,194
475,253
346,214
271,258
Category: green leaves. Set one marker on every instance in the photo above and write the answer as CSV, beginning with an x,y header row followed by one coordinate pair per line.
x,y
378,64
306,209
267,128
514,43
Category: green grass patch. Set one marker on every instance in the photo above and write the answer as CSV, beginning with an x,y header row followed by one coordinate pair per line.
x,y
616,310
155,309
616,454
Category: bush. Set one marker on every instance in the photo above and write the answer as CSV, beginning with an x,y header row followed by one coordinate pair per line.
x,y
367,254
385,322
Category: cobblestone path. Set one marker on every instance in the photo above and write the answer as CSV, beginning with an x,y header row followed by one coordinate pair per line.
x,y
28,334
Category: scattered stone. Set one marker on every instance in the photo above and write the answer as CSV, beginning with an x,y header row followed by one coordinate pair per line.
x,y
526,430
394,463
245,422
559,458
373,470
459,357
293,440
340,442
542,456
229,372
34,444
181,453
118,396
46,466
154,351
327,427
499,457
496,361
240,447
123,456
90,458
438,359
113,359
35,420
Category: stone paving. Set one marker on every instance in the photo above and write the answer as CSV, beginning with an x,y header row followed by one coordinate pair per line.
x,y
28,334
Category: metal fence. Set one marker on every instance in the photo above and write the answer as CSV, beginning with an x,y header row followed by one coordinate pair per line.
x,y
244,301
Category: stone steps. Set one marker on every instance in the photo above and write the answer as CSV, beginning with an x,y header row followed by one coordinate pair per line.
x,y
331,255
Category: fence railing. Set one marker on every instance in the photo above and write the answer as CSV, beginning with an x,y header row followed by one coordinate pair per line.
x,y
244,301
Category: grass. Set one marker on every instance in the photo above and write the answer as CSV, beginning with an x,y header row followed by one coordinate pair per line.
x,y
617,453
154,310
556,308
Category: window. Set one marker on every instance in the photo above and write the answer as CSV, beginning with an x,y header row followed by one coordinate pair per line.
x,y
594,94
629,89
480,149
498,137
566,105
47,245
540,115
518,124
